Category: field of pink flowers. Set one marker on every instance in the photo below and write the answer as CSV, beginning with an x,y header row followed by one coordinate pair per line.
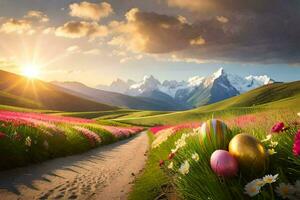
x,y
34,137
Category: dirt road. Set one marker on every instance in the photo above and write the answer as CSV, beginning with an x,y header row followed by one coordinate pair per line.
x,y
104,173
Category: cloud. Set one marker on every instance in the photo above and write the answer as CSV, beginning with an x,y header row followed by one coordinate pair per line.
x,y
92,52
37,15
153,33
222,19
7,64
131,58
93,11
74,29
48,30
188,4
73,49
16,26
230,32
29,24
233,6
197,41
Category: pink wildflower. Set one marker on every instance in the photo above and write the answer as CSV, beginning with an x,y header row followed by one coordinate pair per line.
x,y
296,146
120,132
171,156
2,135
17,136
278,127
161,163
156,129
92,137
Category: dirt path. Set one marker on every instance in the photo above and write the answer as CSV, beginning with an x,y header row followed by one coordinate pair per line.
x,y
104,173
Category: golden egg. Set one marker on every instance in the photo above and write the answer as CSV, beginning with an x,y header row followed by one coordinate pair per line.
x,y
250,154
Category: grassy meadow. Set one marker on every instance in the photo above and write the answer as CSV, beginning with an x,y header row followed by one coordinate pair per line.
x,y
278,96
178,165
164,176
30,137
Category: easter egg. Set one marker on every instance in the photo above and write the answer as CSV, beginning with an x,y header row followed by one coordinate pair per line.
x,y
224,164
214,134
249,152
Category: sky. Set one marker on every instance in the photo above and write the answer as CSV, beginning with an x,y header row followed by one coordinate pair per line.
x,y
96,42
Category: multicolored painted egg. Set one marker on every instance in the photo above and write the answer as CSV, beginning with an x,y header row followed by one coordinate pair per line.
x,y
250,153
224,164
214,134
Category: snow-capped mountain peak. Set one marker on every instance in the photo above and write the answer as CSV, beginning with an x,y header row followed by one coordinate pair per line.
x,y
195,81
218,73
264,79
220,82
148,84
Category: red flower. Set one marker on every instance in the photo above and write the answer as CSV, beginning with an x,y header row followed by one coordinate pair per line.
x,y
296,146
161,163
17,137
278,127
2,135
171,156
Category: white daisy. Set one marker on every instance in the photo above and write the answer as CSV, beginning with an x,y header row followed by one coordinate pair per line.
x,y
196,131
270,178
184,168
180,143
271,151
259,182
28,141
171,165
285,190
195,157
273,144
252,189
269,136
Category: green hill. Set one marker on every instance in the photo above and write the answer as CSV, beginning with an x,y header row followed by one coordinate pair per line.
x,y
19,91
273,96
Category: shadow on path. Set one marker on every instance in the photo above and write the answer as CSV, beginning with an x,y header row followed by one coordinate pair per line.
x,y
11,180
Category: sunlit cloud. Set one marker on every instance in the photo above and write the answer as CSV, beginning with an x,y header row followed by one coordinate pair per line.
x,y
154,33
188,4
93,11
197,41
37,15
7,63
92,52
74,29
18,26
222,19
48,30
73,49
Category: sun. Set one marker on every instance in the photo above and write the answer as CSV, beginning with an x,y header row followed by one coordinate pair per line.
x,y
30,70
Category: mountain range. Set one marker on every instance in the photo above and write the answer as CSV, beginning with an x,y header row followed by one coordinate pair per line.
x,y
16,90
118,99
148,94
194,92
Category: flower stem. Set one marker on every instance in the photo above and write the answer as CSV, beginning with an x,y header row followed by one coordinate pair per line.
x,y
272,193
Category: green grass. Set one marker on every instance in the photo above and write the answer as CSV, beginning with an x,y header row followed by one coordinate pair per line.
x,y
149,185
114,114
31,138
21,109
96,114
275,96
201,182
112,123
